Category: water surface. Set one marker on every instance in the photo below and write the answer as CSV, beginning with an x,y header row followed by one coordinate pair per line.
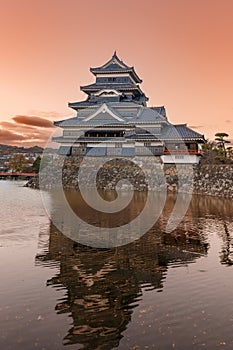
x,y
159,292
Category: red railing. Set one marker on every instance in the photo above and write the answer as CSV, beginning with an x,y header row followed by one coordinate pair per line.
x,y
181,152
17,173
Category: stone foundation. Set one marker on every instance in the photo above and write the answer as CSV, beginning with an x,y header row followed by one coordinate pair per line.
x,y
215,180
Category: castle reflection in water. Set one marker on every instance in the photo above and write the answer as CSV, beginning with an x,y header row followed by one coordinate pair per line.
x,y
104,286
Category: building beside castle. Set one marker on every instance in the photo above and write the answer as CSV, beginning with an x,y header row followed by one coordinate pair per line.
x,y
114,120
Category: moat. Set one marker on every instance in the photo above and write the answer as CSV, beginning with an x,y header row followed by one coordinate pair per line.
x,y
163,291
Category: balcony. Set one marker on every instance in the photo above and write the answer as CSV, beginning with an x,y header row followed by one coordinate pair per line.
x,y
182,152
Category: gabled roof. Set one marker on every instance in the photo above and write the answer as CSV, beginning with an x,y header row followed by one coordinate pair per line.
x,y
98,116
115,65
115,113
181,131
105,113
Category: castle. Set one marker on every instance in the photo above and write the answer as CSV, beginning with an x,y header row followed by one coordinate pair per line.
x,y
115,121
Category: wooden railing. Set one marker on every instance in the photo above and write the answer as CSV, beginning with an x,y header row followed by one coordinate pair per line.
x,y
182,152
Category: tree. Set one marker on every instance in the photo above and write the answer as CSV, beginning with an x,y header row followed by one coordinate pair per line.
x,y
216,152
40,163
36,164
210,152
229,151
18,162
44,162
220,138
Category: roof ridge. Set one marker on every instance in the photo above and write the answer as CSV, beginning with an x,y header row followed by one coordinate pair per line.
x,y
114,59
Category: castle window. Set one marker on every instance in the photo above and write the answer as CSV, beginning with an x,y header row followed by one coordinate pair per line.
x,y
118,145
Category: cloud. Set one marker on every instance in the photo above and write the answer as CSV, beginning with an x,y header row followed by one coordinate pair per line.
x,y
7,136
26,130
25,137
33,121
16,127
228,121
52,115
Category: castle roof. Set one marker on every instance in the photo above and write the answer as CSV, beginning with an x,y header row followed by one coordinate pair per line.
x,y
121,86
175,132
115,65
114,114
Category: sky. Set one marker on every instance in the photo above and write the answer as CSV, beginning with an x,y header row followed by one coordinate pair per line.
x,y
182,50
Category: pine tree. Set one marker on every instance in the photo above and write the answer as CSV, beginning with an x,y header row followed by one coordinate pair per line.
x,y
220,138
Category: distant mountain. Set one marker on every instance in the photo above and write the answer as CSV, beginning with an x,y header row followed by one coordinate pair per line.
x,y
7,149
34,149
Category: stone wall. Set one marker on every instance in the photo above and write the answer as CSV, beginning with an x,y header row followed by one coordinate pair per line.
x,y
216,180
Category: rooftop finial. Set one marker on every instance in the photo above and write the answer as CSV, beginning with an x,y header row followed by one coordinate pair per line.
x,y
115,54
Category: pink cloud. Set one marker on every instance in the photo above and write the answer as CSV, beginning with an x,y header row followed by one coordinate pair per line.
x,y
7,136
34,121
29,130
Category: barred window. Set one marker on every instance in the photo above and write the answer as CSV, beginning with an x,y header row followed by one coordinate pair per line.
x,y
118,145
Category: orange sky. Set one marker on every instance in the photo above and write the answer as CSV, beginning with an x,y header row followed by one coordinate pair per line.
x,y
182,49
